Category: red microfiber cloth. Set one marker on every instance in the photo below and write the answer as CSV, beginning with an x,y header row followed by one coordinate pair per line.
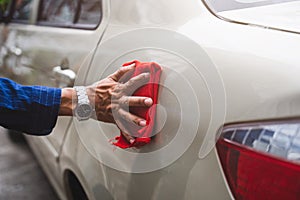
x,y
148,90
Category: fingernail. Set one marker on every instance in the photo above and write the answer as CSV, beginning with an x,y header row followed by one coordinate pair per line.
x,y
148,101
142,123
147,75
129,66
131,141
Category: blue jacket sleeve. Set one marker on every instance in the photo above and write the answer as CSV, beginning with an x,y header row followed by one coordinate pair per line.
x,y
30,109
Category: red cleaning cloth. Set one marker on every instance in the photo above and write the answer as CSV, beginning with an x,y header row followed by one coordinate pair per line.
x,y
148,90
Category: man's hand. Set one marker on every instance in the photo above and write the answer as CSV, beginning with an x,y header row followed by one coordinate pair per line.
x,y
112,98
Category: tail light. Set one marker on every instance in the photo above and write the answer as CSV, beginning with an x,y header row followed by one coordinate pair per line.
x,y
261,161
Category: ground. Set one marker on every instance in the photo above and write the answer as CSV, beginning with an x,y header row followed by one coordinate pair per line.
x,y
20,175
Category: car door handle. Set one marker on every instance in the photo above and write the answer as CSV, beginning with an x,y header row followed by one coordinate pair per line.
x,y
15,51
64,77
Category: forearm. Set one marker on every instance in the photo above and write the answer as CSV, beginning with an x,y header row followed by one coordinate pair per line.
x,y
31,109
67,105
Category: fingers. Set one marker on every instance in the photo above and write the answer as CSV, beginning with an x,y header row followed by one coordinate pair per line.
x,y
136,82
127,75
128,137
135,101
116,76
129,117
122,99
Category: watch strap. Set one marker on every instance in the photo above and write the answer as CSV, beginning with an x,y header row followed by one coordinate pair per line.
x,y
82,97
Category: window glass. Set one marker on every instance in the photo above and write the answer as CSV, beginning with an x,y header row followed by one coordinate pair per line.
x,y
22,10
90,12
3,8
272,14
224,5
58,12
70,13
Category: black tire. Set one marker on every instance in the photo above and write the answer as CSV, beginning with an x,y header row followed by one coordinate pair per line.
x,y
76,191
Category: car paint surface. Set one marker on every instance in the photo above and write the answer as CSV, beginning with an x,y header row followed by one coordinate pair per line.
x,y
214,72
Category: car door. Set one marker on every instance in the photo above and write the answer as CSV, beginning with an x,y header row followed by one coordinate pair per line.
x,y
4,17
48,41
2,10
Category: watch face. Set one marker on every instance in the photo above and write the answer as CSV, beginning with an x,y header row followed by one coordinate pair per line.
x,y
84,111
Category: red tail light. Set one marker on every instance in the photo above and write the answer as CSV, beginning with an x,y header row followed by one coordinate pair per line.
x,y
262,162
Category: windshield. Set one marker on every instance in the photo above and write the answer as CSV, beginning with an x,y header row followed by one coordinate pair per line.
x,y
225,5
280,15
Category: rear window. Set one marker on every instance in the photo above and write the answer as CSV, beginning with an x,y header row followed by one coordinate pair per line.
x,y
281,15
70,13
225,5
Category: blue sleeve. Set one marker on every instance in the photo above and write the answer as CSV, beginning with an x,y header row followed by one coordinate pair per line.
x,y
30,109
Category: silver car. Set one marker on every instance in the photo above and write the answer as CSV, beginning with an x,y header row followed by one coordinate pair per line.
x,y
227,122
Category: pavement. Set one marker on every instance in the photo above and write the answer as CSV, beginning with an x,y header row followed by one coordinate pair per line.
x,y
21,177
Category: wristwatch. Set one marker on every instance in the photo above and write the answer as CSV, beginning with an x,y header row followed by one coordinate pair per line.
x,y
84,109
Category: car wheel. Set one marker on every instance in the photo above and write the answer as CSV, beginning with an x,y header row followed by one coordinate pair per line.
x,y
75,189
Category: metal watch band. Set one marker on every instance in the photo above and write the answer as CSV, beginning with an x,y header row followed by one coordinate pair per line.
x,y
82,97
83,110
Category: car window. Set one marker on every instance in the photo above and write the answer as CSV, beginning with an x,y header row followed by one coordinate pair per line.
x,y
3,8
282,15
90,12
70,13
59,12
224,5
22,10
